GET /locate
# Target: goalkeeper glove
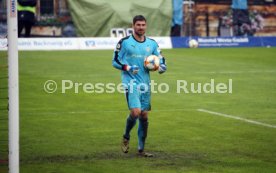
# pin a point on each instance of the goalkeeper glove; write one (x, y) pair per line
(162, 68)
(133, 69)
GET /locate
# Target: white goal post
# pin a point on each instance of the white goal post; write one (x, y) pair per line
(13, 87)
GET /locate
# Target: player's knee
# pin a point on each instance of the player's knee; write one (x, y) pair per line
(136, 112)
(144, 115)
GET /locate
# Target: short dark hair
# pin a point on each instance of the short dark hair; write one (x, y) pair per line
(138, 18)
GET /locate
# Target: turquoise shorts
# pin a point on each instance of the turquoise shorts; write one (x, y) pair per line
(138, 98)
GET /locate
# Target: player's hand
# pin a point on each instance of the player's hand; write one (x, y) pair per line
(162, 68)
(133, 69)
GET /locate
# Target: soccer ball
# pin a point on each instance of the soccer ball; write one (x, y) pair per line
(193, 43)
(152, 62)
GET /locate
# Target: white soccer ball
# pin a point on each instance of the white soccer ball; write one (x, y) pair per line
(193, 43)
(152, 62)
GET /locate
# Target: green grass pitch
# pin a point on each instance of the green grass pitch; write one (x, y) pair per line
(76, 133)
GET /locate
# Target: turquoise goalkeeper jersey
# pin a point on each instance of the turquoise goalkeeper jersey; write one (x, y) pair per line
(131, 52)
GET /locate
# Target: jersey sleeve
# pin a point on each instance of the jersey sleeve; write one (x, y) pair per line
(157, 51)
(118, 56)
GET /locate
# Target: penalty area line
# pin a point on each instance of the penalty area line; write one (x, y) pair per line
(237, 118)
(53, 112)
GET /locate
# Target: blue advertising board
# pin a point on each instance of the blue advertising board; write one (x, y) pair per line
(182, 42)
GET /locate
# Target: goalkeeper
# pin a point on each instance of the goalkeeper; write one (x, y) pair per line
(128, 57)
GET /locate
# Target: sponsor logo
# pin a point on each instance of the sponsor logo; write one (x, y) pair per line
(148, 49)
(90, 43)
(13, 8)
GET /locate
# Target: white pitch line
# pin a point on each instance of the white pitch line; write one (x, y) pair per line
(40, 112)
(116, 74)
(237, 118)
(238, 72)
(230, 72)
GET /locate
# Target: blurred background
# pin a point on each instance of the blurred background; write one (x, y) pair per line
(93, 18)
